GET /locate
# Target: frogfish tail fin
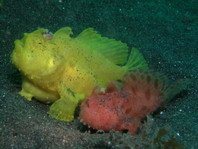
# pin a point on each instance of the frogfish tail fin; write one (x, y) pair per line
(146, 81)
(172, 90)
(136, 61)
(153, 83)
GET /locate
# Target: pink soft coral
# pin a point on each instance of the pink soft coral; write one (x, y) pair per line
(123, 109)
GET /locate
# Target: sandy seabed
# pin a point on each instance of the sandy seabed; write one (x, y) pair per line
(164, 31)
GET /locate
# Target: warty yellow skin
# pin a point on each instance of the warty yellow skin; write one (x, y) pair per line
(62, 70)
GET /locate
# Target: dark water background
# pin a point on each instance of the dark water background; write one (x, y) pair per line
(166, 32)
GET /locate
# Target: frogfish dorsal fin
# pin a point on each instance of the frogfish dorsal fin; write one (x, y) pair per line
(114, 50)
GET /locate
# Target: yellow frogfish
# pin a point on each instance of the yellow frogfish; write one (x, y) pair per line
(63, 70)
